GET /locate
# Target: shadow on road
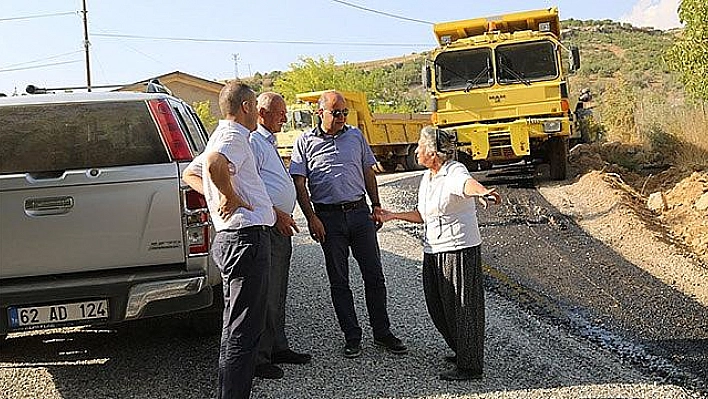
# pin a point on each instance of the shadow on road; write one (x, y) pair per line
(560, 274)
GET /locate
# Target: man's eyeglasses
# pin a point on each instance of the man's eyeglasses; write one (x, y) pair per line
(339, 112)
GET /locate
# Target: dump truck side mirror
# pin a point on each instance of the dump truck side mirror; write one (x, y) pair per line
(574, 58)
(426, 75)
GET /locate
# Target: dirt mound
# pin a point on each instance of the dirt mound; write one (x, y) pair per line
(626, 175)
(685, 214)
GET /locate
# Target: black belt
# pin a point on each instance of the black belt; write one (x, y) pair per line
(248, 229)
(343, 207)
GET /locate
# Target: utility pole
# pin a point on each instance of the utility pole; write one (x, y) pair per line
(235, 65)
(86, 48)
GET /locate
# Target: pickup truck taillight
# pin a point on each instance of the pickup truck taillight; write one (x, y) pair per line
(170, 131)
(196, 222)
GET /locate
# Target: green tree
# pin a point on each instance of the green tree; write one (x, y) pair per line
(310, 74)
(689, 56)
(203, 110)
(387, 88)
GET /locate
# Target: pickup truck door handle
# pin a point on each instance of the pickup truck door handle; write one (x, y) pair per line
(48, 206)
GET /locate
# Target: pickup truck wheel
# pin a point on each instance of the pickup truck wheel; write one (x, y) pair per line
(207, 322)
(558, 157)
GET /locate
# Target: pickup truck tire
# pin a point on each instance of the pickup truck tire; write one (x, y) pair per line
(207, 322)
(558, 157)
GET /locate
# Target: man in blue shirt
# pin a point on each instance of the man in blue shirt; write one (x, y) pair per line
(273, 347)
(334, 162)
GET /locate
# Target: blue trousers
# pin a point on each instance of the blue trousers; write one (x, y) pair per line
(243, 257)
(354, 229)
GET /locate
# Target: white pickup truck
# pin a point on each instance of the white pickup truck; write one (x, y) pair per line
(96, 226)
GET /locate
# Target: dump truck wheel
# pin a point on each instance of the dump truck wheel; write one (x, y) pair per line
(558, 157)
(411, 161)
(467, 160)
(385, 166)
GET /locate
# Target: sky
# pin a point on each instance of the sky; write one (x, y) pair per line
(42, 42)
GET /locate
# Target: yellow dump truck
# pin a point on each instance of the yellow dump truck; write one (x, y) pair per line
(501, 85)
(393, 137)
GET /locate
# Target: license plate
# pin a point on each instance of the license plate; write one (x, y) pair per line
(36, 316)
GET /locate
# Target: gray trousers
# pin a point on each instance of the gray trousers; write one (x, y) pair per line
(273, 338)
(453, 283)
(243, 257)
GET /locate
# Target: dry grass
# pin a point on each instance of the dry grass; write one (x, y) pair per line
(679, 132)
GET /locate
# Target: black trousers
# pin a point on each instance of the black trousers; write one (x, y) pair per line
(243, 257)
(274, 338)
(354, 229)
(453, 283)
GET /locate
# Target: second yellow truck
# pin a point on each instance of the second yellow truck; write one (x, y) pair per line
(393, 137)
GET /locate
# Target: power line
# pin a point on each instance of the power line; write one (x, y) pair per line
(37, 16)
(303, 42)
(382, 13)
(38, 66)
(42, 59)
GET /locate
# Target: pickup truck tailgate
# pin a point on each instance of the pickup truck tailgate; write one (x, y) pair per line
(88, 220)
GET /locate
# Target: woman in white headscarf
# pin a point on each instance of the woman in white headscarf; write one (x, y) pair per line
(452, 266)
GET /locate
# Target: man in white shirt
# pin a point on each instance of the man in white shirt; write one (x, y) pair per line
(242, 213)
(274, 347)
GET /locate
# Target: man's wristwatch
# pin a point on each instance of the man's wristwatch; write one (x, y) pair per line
(375, 204)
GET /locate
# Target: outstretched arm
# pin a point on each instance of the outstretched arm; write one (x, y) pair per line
(410, 216)
(475, 188)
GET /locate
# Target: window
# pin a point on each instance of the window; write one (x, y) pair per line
(526, 62)
(58, 137)
(192, 128)
(463, 70)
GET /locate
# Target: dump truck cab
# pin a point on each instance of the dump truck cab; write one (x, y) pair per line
(500, 84)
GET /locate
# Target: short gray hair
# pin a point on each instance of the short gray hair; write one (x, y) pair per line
(266, 99)
(440, 141)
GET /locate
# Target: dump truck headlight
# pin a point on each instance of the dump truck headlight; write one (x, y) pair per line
(552, 126)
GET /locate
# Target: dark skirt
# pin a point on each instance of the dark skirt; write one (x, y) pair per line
(454, 293)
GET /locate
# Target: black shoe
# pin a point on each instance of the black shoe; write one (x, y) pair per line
(269, 371)
(290, 356)
(352, 349)
(392, 344)
(458, 374)
(451, 359)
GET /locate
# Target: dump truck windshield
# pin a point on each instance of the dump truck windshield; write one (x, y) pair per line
(463, 70)
(298, 120)
(526, 62)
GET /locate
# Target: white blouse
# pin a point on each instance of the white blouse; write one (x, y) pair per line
(449, 218)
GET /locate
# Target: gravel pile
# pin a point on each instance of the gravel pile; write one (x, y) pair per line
(525, 357)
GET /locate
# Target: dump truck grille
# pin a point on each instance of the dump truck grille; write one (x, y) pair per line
(500, 145)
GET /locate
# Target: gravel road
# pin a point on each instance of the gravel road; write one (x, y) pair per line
(527, 355)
